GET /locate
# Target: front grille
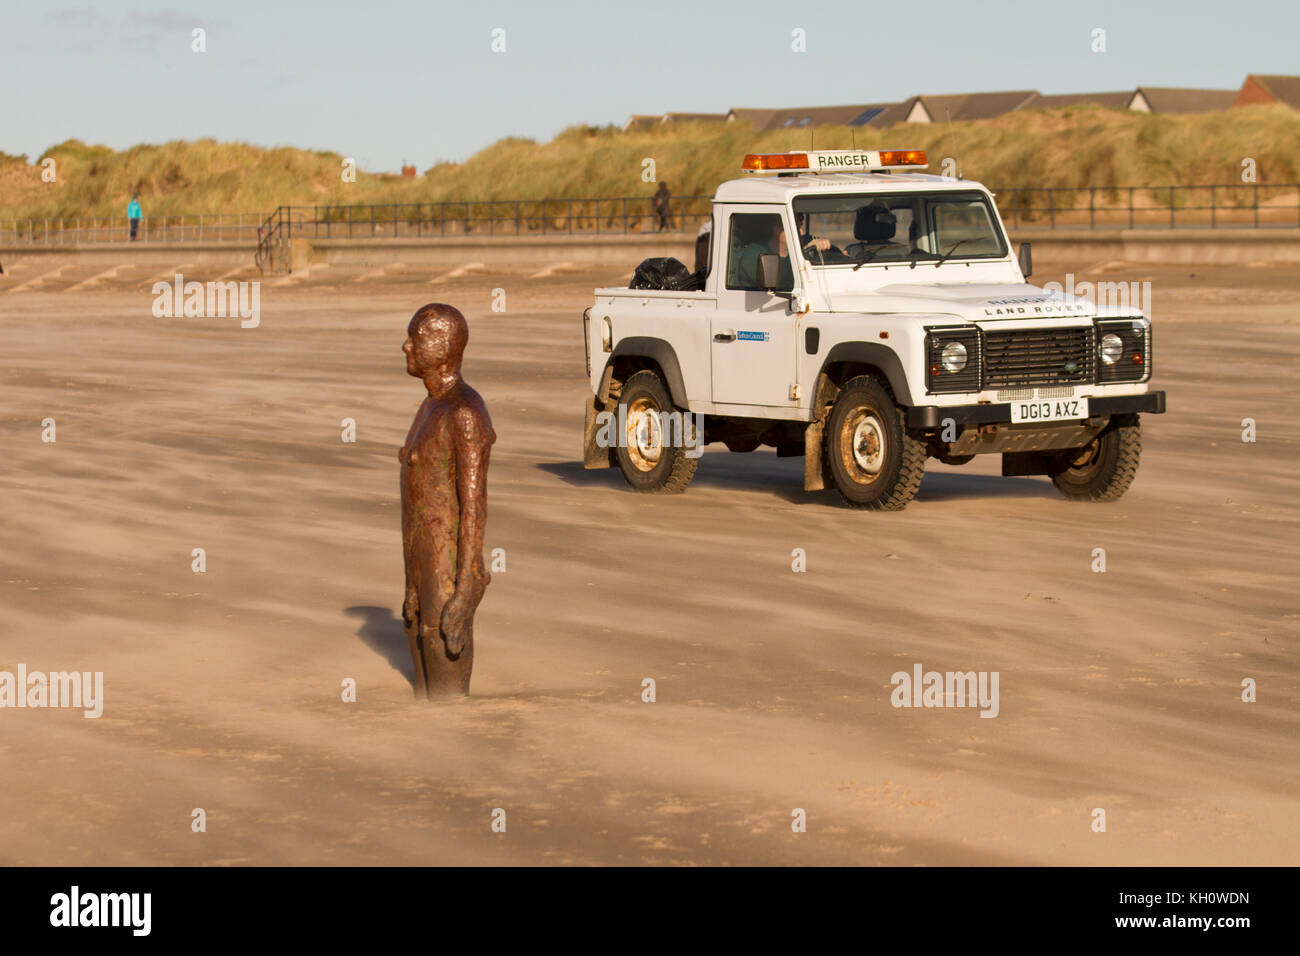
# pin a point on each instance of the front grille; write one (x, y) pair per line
(1025, 357)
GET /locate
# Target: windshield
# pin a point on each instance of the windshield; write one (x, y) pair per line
(856, 230)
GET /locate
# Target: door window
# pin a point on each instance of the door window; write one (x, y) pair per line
(754, 235)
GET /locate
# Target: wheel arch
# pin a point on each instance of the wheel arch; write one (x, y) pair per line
(638, 352)
(850, 359)
(845, 361)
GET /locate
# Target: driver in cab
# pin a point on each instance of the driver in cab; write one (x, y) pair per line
(775, 242)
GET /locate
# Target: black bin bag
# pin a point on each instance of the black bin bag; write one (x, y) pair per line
(665, 273)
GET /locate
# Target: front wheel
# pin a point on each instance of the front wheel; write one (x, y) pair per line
(653, 445)
(872, 459)
(1103, 469)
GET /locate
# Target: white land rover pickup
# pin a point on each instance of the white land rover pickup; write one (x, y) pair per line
(867, 320)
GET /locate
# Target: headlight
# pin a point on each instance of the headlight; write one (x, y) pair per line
(953, 356)
(1112, 347)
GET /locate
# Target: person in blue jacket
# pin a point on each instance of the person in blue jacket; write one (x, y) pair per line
(133, 213)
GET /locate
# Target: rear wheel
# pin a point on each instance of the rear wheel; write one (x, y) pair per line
(652, 448)
(1103, 469)
(869, 454)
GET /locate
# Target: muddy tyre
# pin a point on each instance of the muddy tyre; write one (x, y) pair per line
(652, 452)
(869, 454)
(1103, 469)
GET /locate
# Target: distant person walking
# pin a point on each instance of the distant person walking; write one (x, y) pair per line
(663, 207)
(133, 213)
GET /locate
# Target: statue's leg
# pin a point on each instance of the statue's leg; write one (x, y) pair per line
(417, 657)
(447, 676)
(444, 675)
(465, 661)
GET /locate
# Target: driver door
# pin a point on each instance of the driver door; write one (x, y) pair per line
(754, 332)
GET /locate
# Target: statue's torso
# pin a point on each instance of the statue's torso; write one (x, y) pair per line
(430, 503)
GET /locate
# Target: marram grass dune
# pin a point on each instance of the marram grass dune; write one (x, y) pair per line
(1075, 146)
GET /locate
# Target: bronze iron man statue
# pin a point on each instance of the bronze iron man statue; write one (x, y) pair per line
(444, 505)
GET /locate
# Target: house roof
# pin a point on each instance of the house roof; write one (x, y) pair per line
(1052, 101)
(758, 118)
(694, 117)
(960, 106)
(894, 113)
(861, 114)
(642, 121)
(1164, 99)
(974, 106)
(1283, 88)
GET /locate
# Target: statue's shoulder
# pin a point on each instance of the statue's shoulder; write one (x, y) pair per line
(471, 416)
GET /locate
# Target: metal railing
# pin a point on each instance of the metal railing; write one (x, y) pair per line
(1253, 205)
(622, 215)
(1214, 207)
(1088, 207)
(203, 227)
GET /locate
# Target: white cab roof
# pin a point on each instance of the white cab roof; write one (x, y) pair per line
(779, 189)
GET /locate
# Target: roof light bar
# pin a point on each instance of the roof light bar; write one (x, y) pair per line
(774, 162)
(836, 161)
(903, 157)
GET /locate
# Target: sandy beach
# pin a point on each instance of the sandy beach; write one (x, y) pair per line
(223, 690)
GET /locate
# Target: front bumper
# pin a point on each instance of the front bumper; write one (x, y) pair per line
(933, 416)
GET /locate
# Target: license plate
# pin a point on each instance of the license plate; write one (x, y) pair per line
(1049, 410)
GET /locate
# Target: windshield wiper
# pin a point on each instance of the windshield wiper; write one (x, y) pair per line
(953, 248)
(913, 254)
(864, 258)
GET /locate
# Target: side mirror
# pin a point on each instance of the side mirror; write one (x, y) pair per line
(769, 271)
(1026, 257)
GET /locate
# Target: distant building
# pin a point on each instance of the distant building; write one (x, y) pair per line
(862, 114)
(759, 119)
(1269, 89)
(958, 107)
(1145, 99)
(917, 109)
(966, 106)
(896, 113)
(694, 118)
(1056, 101)
(1163, 99)
(642, 121)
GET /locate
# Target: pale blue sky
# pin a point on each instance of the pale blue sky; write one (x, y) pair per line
(383, 80)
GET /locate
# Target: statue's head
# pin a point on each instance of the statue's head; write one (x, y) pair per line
(435, 342)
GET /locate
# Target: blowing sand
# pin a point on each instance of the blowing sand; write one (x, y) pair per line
(222, 691)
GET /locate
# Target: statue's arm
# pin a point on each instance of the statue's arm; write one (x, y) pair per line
(472, 437)
(411, 601)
